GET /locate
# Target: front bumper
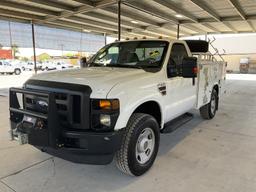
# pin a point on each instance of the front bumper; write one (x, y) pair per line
(91, 148)
(45, 132)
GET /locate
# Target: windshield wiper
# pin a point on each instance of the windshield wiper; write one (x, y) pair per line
(124, 66)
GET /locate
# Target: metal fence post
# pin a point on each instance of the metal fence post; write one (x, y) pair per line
(34, 46)
(119, 20)
(178, 31)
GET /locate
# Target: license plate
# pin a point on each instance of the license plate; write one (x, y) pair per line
(29, 119)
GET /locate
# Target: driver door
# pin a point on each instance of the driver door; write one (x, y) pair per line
(181, 92)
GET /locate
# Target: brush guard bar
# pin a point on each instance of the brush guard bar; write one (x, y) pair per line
(33, 127)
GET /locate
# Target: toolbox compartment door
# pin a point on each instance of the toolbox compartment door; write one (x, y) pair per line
(210, 73)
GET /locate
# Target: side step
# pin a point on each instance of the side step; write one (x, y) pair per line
(176, 123)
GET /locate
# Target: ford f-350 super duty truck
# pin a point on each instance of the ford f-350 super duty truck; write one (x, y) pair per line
(117, 107)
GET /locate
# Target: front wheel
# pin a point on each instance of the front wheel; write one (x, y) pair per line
(208, 111)
(139, 146)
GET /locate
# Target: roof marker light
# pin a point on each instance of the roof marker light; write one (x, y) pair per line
(179, 15)
(135, 22)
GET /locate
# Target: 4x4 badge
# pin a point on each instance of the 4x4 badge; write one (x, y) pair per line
(162, 88)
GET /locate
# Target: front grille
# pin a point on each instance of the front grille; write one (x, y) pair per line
(63, 108)
(32, 103)
(72, 102)
(68, 107)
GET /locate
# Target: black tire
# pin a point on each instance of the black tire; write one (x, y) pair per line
(207, 111)
(17, 71)
(126, 159)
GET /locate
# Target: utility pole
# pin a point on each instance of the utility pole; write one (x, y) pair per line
(62, 49)
(81, 41)
(10, 34)
(105, 38)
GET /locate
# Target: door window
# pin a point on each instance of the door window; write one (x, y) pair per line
(178, 53)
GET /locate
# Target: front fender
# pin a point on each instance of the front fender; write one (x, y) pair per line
(130, 101)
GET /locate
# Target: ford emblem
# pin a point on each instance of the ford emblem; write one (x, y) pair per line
(42, 103)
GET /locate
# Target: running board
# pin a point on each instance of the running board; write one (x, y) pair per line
(176, 123)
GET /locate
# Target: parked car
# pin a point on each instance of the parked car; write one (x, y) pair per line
(130, 92)
(48, 66)
(30, 66)
(63, 65)
(7, 67)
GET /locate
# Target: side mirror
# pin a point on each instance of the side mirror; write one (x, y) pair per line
(189, 67)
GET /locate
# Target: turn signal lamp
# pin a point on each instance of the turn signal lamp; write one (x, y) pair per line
(109, 104)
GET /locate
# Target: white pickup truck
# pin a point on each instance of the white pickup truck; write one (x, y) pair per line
(130, 92)
(9, 68)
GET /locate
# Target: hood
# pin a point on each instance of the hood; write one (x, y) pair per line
(100, 79)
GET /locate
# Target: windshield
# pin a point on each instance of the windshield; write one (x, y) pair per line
(132, 54)
(7, 63)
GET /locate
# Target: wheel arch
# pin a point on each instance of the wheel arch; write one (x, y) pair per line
(152, 108)
(216, 87)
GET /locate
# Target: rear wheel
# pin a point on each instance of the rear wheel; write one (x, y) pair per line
(17, 71)
(139, 146)
(208, 111)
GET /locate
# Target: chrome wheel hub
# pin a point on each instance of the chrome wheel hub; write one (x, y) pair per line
(145, 145)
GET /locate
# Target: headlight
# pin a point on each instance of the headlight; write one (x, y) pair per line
(104, 114)
(105, 120)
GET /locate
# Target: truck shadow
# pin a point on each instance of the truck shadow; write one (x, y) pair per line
(112, 179)
(169, 140)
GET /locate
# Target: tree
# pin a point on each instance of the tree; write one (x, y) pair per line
(43, 57)
(25, 59)
(1, 46)
(15, 50)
